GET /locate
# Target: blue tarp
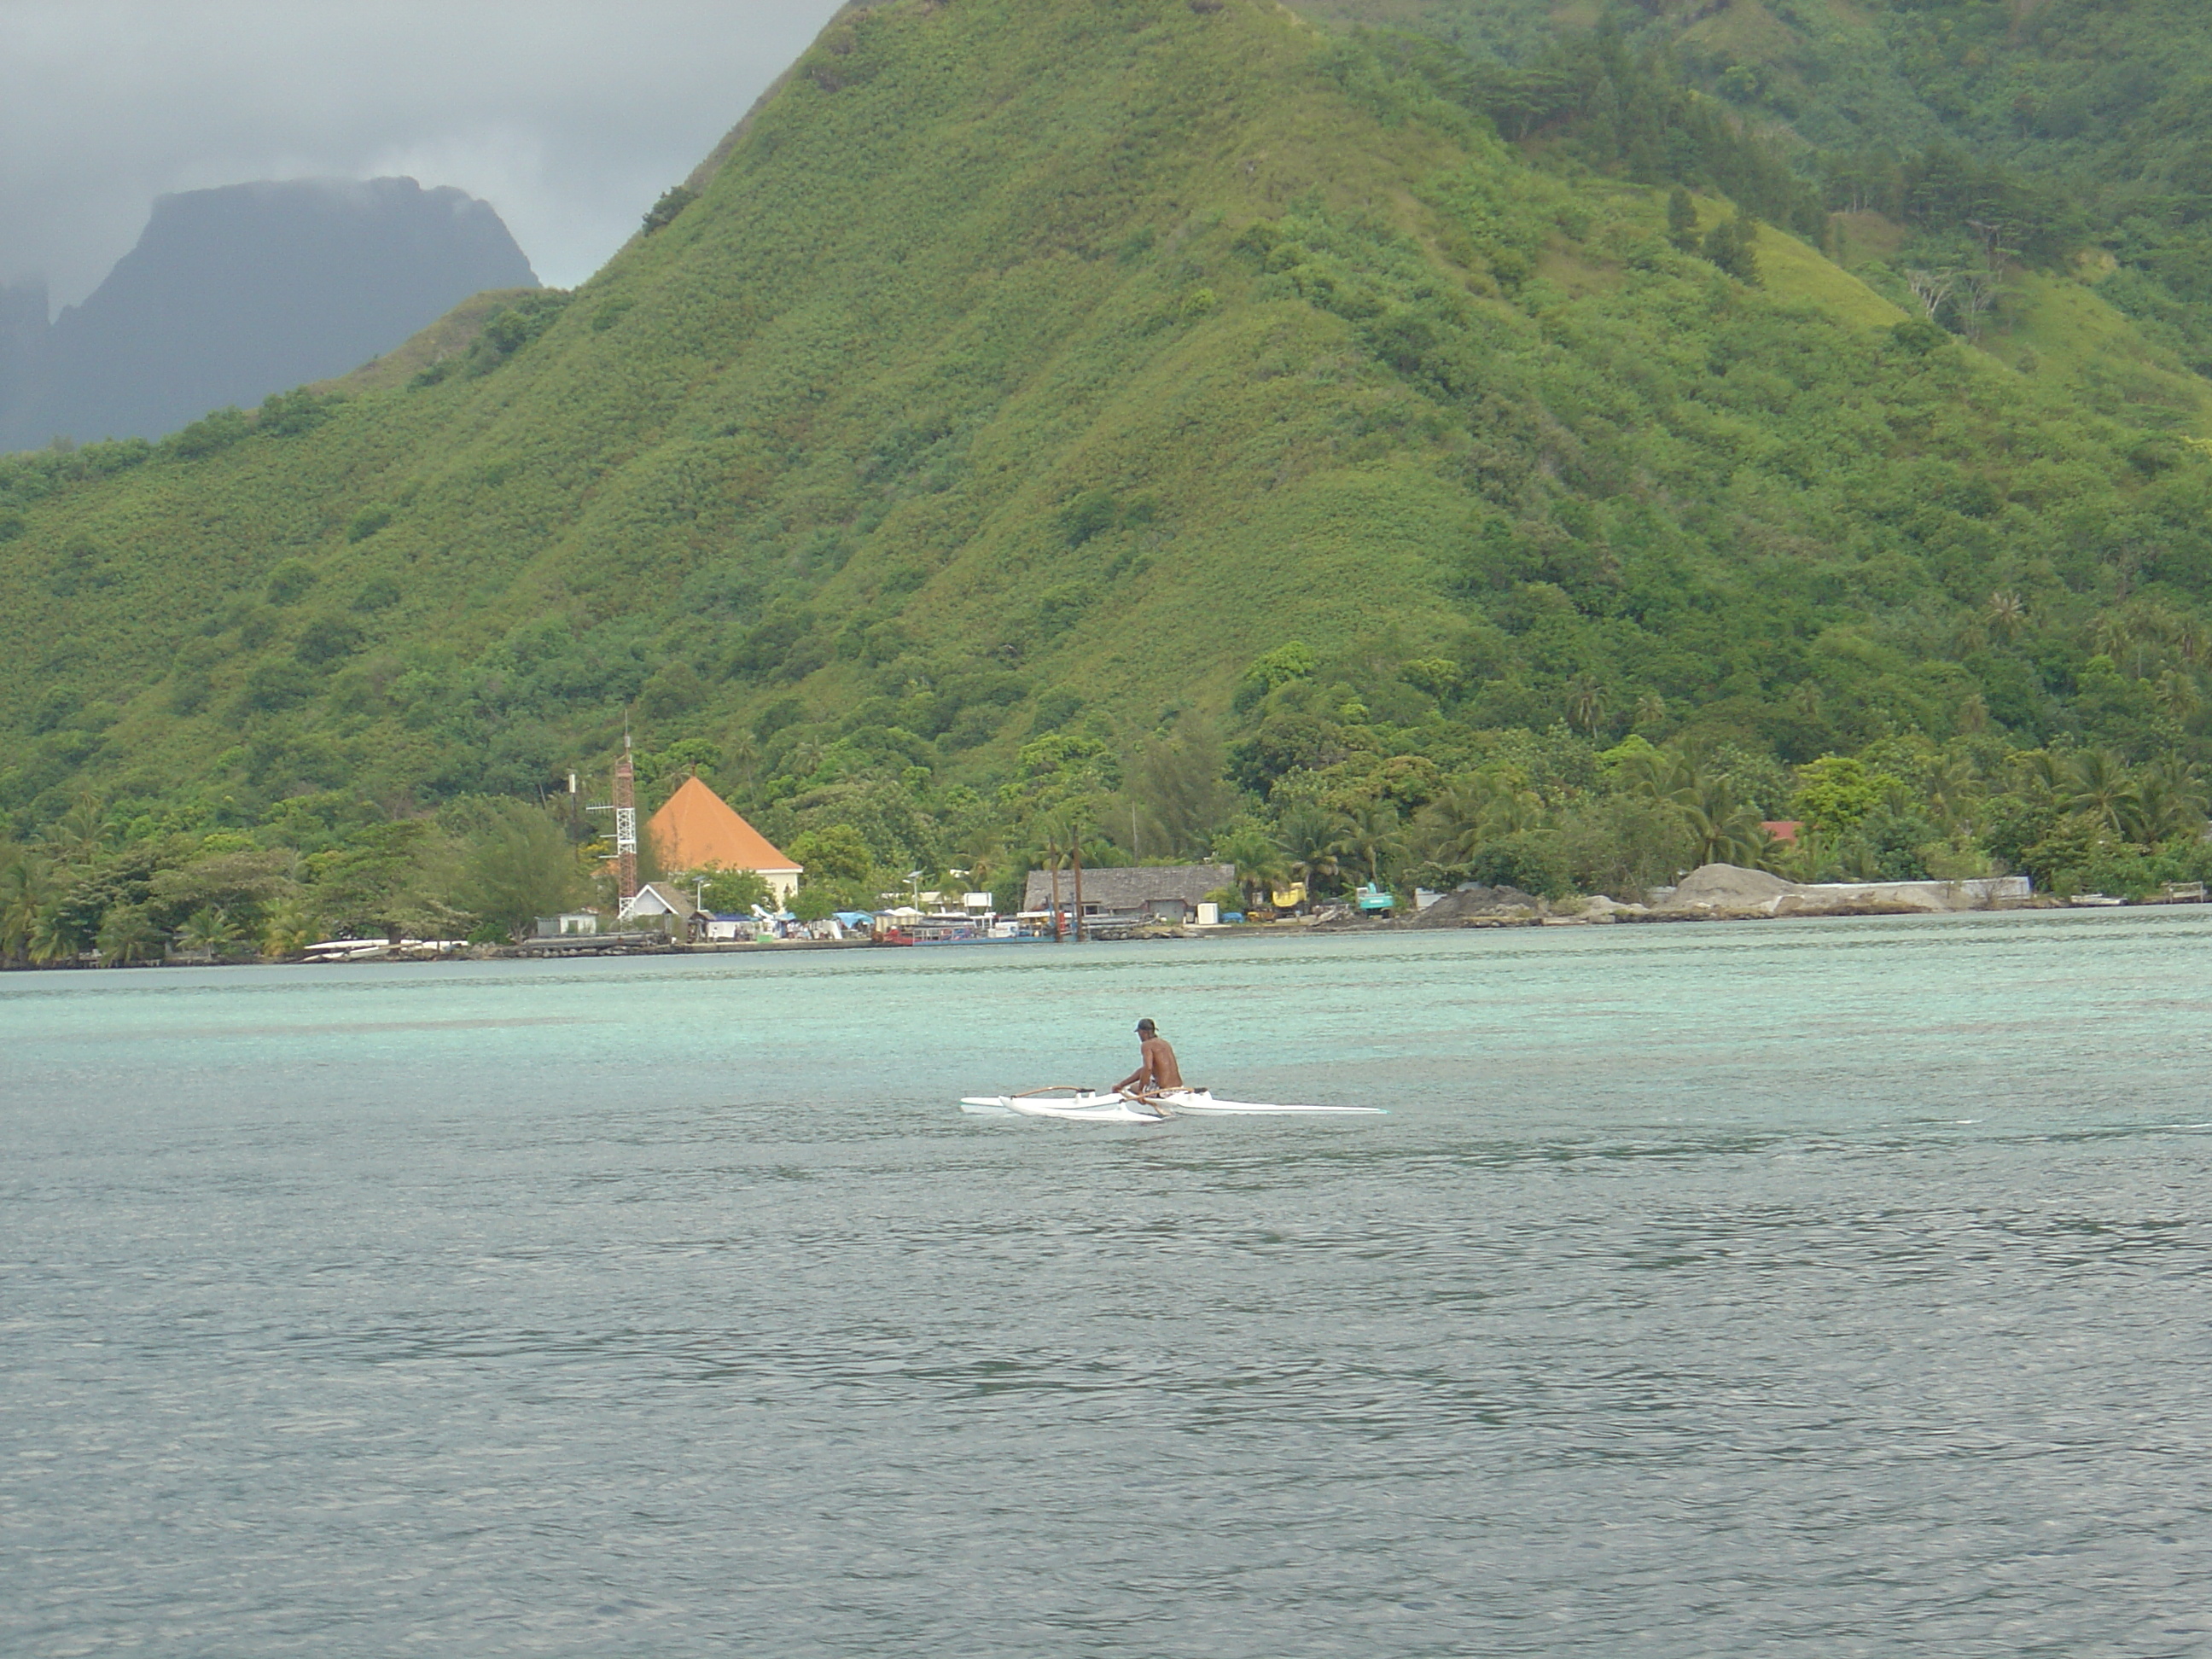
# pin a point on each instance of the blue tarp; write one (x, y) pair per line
(855, 917)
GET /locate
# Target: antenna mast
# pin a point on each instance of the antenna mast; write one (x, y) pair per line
(626, 826)
(625, 811)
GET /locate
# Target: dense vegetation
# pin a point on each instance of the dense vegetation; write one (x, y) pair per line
(1156, 426)
(1987, 131)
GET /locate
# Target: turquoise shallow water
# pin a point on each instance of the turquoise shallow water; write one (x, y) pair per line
(1817, 1289)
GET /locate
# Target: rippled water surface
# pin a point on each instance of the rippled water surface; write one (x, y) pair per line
(1817, 1289)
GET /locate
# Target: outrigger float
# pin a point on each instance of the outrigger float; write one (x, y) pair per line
(1081, 1105)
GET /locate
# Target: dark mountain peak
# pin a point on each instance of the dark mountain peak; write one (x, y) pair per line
(236, 292)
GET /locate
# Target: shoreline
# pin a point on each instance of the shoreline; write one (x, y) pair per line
(1346, 927)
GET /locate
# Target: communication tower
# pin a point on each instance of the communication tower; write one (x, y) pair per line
(625, 811)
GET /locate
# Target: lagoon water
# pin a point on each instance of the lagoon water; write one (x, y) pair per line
(1819, 1289)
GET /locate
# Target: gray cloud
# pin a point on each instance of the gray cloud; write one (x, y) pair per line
(569, 116)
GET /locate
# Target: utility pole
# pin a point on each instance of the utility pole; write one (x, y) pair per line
(1075, 854)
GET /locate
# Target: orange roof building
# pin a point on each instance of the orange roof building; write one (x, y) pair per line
(700, 830)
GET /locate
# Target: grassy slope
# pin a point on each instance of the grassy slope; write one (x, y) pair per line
(816, 445)
(449, 336)
(1841, 77)
(932, 246)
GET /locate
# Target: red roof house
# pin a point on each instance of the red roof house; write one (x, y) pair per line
(697, 829)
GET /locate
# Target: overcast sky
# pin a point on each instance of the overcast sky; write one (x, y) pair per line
(569, 116)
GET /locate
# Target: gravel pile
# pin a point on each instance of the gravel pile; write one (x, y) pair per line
(1475, 903)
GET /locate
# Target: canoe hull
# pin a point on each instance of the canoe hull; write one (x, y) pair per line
(1119, 1108)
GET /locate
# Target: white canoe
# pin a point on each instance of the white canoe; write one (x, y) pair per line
(1201, 1103)
(1082, 1109)
(1086, 1107)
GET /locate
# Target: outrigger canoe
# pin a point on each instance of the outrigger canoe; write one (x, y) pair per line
(1088, 1106)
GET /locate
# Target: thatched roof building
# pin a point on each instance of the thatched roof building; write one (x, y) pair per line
(1174, 890)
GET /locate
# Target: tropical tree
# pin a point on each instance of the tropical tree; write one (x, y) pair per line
(291, 926)
(804, 760)
(1659, 775)
(241, 884)
(725, 892)
(1456, 822)
(1306, 834)
(520, 865)
(127, 935)
(80, 835)
(387, 877)
(1586, 704)
(1368, 836)
(1722, 829)
(745, 760)
(1953, 794)
(2168, 804)
(1178, 784)
(209, 931)
(1513, 811)
(2096, 783)
(1259, 861)
(1835, 792)
(986, 860)
(26, 889)
(2177, 697)
(1059, 846)
(834, 852)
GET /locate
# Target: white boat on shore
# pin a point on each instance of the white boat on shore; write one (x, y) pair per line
(1089, 1106)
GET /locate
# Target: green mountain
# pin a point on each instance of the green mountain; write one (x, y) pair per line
(1030, 399)
(1945, 129)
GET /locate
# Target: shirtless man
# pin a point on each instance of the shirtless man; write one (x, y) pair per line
(1156, 1070)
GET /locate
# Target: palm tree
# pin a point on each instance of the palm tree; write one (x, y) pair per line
(1512, 810)
(987, 857)
(2041, 768)
(1650, 709)
(1257, 858)
(1060, 844)
(1307, 835)
(1586, 702)
(1722, 829)
(2168, 804)
(290, 927)
(209, 931)
(1456, 822)
(127, 935)
(2111, 634)
(745, 760)
(26, 889)
(1660, 776)
(2005, 616)
(2096, 784)
(1953, 790)
(79, 834)
(1368, 835)
(2176, 696)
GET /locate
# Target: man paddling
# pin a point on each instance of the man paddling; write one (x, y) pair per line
(1156, 1072)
